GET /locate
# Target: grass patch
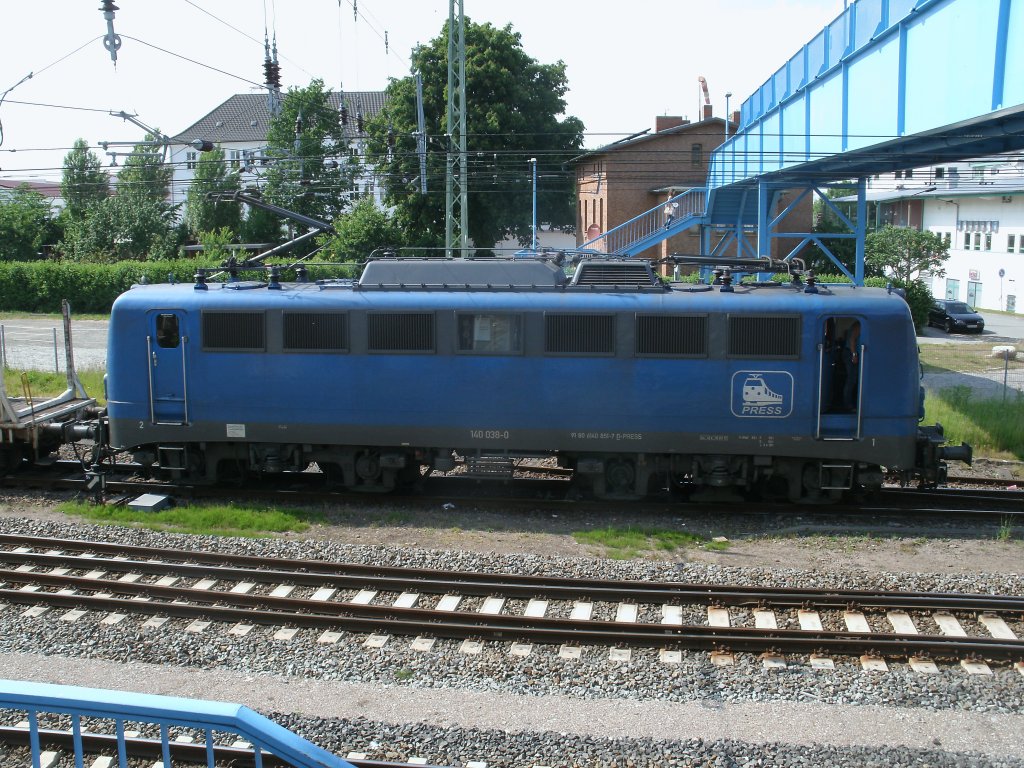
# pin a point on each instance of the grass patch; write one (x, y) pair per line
(627, 543)
(993, 427)
(45, 384)
(212, 520)
(1005, 529)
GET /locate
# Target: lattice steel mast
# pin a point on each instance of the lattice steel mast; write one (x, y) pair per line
(456, 229)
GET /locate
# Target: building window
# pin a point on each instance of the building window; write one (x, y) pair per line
(1010, 243)
(947, 238)
(977, 241)
(988, 241)
(697, 154)
(940, 173)
(952, 289)
(909, 173)
(190, 160)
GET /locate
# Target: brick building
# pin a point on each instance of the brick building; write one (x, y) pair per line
(621, 180)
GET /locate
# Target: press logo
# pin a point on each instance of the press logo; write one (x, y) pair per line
(762, 394)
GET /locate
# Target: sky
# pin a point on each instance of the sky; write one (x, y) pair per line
(626, 63)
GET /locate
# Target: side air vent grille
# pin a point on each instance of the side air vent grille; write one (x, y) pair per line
(579, 334)
(615, 273)
(764, 336)
(672, 335)
(315, 331)
(400, 332)
(234, 331)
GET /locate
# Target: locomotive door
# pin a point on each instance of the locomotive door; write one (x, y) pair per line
(840, 379)
(166, 359)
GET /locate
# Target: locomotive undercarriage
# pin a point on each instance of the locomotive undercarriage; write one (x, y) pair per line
(722, 477)
(614, 476)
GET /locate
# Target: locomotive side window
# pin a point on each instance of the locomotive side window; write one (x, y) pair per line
(672, 335)
(490, 334)
(315, 331)
(579, 334)
(167, 335)
(400, 332)
(235, 331)
(764, 336)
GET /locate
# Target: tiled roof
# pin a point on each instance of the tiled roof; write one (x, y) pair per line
(244, 117)
(45, 188)
(700, 126)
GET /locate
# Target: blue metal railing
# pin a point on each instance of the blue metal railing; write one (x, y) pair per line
(122, 707)
(653, 226)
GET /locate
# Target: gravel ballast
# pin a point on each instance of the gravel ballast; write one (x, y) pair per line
(541, 709)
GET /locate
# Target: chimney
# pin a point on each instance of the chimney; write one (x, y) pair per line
(664, 122)
(707, 112)
(735, 117)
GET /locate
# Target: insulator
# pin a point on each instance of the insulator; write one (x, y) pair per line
(344, 113)
(298, 124)
(391, 136)
(359, 121)
(355, 10)
(386, 45)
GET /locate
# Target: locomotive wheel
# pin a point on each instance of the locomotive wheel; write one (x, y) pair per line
(368, 467)
(620, 477)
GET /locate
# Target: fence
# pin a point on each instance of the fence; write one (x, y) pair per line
(986, 371)
(33, 345)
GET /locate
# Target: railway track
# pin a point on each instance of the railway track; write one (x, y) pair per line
(180, 750)
(384, 602)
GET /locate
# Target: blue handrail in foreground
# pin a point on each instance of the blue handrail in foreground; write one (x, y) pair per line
(164, 711)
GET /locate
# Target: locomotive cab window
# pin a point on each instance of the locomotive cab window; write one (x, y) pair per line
(490, 334)
(167, 334)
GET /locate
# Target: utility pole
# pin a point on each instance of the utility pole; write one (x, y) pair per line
(456, 228)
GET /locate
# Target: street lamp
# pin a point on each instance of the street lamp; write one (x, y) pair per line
(533, 162)
(728, 96)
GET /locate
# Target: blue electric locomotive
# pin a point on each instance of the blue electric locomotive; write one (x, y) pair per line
(634, 384)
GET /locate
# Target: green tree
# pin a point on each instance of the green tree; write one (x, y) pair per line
(25, 224)
(212, 176)
(903, 253)
(261, 226)
(122, 227)
(83, 182)
(311, 171)
(362, 231)
(137, 222)
(512, 108)
(145, 175)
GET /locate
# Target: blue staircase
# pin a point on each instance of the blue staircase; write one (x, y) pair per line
(653, 226)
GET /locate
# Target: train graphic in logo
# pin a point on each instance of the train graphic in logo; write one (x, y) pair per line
(762, 394)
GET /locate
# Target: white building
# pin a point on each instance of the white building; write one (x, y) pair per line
(239, 127)
(978, 207)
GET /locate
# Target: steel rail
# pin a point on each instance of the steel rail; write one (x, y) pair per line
(464, 625)
(185, 752)
(395, 579)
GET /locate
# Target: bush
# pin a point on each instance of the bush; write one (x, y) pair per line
(40, 286)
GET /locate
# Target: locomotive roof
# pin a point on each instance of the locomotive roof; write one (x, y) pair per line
(403, 284)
